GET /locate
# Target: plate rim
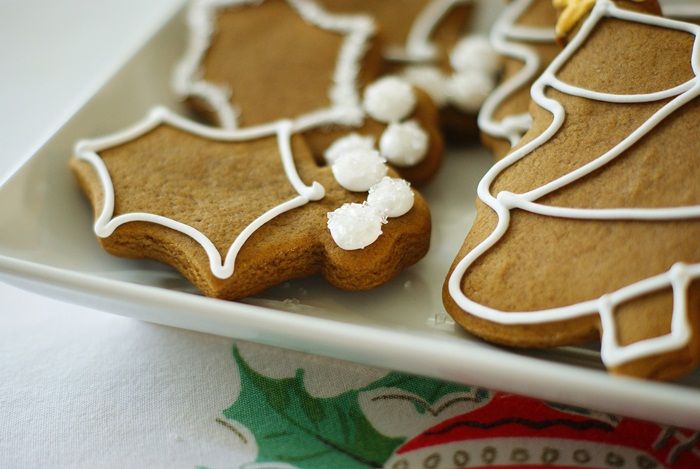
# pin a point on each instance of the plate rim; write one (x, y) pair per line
(442, 358)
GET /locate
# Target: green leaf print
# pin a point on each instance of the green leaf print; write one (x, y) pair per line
(431, 390)
(294, 427)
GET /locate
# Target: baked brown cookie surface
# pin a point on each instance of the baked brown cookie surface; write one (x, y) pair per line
(238, 211)
(250, 63)
(589, 226)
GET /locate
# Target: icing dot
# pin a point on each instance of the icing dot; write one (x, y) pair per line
(355, 226)
(468, 90)
(475, 53)
(392, 197)
(358, 170)
(404, 144)
(349, 143)
(389, 99)
(430, 79)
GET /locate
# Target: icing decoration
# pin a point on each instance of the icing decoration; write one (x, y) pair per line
(468, 90)
(572, 12)
(392, 197)
(404, 144)
(475, 53)
(422, 56)
(503, 33)
(430, 79)
(348, 143)
(389, 99)
(418, 47)
(345, 108)
(358, 170)
(355, 226)
(678, 277)
(475, 64)
(106, 223)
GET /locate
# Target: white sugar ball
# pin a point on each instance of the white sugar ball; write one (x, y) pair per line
(358, 170)
(404, 144)
(430, 79)
(389, 99)
(355, 226)
(468, 90)
(475, 53)
(392, 197)
(349, 143)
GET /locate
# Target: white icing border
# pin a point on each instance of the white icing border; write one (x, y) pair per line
(106, 223)
(418, 46)
(678, 277)
(345, 108)
(505, 30)
(503, 33)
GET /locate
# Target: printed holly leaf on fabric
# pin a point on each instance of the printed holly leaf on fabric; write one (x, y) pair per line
(405, 405)
(431, 390)
(291, 426)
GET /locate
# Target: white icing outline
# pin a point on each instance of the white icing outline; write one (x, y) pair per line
(678, 277)
(345, 108)
(106, 223)
(504, 32)
(418, 46)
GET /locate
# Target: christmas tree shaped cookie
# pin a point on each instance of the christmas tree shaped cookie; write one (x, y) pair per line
(428, 42)
(250, 63)
(236, 211)
(590, 226)
(525, 36)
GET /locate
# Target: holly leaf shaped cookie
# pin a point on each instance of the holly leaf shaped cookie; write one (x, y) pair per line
(590, 226)
(250, 63)
(238, 211)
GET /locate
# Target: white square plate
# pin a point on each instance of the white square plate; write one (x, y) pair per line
(47, 246)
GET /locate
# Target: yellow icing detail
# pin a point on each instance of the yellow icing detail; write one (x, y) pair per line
(573, 11)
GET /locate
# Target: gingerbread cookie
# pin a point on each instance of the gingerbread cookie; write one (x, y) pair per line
(318, 69)
(524, 36)
(427, 42)
(589, 227)
(236, 211)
